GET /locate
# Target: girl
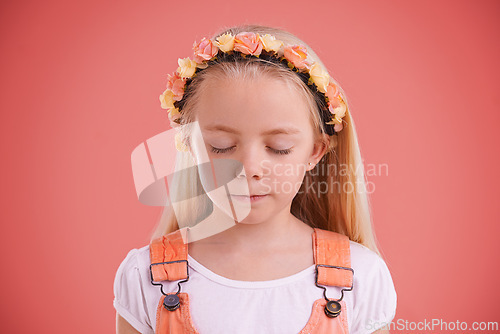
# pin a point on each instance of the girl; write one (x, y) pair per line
(280, 238)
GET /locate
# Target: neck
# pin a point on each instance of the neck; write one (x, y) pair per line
(275, 233)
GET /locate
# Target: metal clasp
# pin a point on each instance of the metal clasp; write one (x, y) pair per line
(171, 301)
(333, 308)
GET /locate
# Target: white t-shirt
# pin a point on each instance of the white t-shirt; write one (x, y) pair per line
(222, 305)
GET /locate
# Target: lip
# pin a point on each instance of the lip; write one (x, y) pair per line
(252, 198)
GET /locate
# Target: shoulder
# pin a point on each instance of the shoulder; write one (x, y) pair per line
(130, 287)
(133, 271)
(375, 297)
(364, 259)
(134, 260)
(368, 266)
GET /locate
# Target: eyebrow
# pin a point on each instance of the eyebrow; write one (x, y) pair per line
(277, 131)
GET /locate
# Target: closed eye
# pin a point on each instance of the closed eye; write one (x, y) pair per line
(286, 151)
(227, 149)
(221, 150)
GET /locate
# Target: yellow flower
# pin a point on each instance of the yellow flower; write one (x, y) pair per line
(202, 65)
(225, 42)
(186, 68)
(174, 113)
(320, 77)
(167, 99)
(270, 43)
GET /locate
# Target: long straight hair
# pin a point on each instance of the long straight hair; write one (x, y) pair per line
(344, 208)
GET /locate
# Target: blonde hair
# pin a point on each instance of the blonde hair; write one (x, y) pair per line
(345, 212)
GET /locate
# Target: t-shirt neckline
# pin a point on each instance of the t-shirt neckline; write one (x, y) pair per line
(248, 284)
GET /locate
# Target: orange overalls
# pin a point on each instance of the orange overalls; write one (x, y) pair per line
(331, 257)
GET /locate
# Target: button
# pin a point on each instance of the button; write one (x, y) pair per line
(171, 302)
(332, 308)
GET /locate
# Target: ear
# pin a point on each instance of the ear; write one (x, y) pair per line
(319, 149)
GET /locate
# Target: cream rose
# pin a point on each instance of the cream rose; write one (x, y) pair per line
(320, 77)
(167, 99)
(270, 43)
(225, 42)
(186, 68)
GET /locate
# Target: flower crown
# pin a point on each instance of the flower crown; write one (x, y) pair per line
(249, 44)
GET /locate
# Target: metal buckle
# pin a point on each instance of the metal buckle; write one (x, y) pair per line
(333, 307)
(341, 290)
(161, 285)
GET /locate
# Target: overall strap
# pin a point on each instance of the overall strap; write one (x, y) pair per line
(169, 257)
(332, 258)
(169, 263)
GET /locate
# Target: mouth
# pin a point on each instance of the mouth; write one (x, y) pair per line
(251, 198)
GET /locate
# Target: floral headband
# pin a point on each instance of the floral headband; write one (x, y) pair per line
(249, 44)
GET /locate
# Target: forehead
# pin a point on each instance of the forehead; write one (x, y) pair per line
(256, 104)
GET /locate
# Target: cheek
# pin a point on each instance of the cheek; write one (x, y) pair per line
(291, 166)
(285, 179)
(288, 171)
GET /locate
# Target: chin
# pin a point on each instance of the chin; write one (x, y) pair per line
(253, 219)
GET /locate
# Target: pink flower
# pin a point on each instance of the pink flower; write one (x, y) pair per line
(248, 43)
(337, 108)
(204, 50)
(297, 55)
(332, 91)
(176, 84)
(338, 127)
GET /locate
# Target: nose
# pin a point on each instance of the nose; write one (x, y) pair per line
(252, 162)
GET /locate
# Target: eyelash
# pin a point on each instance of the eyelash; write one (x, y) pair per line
(224, 150)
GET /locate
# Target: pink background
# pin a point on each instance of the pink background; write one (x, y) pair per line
(79, 91)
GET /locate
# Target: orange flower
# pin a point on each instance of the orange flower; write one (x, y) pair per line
(204, 50)
(332, 91)
(297, 55)
(248, 43)
(176, 84)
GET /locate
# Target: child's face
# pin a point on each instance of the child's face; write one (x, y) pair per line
(266, 126)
